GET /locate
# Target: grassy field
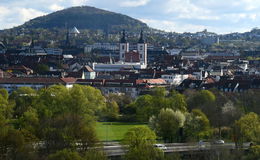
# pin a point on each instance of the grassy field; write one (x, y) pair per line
(113, 131)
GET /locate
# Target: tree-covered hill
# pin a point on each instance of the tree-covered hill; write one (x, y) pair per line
(85, 17)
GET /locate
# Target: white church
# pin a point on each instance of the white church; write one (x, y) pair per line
(136, 59)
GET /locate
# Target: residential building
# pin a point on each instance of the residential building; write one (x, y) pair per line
(13, 83)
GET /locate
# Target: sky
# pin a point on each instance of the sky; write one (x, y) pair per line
(220, 16)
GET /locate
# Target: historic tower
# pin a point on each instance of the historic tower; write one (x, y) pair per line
(142, 49)
(124, 47)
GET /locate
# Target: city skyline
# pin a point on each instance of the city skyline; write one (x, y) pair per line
(170, 15)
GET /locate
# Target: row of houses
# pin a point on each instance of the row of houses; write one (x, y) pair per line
(131, 88)
(224, 85)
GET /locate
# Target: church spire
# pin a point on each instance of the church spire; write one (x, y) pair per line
(141, 39)
(123, 39)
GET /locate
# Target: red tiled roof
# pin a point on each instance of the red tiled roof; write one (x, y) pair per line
(210, 80)
(32, 80)
(151, 81)
(22, 67)
(69, 80)
(132, 57)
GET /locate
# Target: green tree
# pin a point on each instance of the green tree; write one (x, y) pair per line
(196, 126)
(177, 102)
(254, 153)
(4, 93)
(201, 98)
(24, 98)
(140, 142)
(65, 155)
(11, 140)
(111, 112)
(121, 100)
(249, 127)
(41, 68)
(6, 108)
(167, 124)
(67, 116)
(159, 92)
(144, 107)
(93, 154)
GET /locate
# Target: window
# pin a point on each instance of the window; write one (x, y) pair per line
(123, 55)
(141, 56)
(141, 48)
(123, 47)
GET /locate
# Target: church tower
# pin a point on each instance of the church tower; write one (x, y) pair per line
(142, 49)
(123, 48)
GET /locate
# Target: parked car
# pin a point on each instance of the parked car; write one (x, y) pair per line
(202, 144)
(220, 141)
(160, 146)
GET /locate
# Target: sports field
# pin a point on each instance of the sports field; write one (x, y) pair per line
(113, 131)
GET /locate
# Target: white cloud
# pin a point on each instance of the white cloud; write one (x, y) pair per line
(177, 15)
(173, 26)
(55, 7)
(10, 17)
(26, 14)
(78, 2)
(182, 27)
(187, 10)
(134, 3)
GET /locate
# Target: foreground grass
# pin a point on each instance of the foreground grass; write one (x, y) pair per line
(113, 131)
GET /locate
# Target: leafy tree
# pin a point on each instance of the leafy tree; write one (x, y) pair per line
(4, 93)
(140, 142)
(250, 101)
(41, 68)
(158, 92)
(249, 127)
(167, 124)
(177, 102)
(28, 124)
(196, 126)
(144, 107)
(93, 154)
(24, 98)
(230, 113)
(159, 100)
(11, 140)
(254, 153)
(121, 100)
(6, 108)
(67, 116)
(201, 98)
(65, 155)
(96, 101)
(111, 112)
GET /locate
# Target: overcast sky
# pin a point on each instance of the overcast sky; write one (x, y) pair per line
(221, 16)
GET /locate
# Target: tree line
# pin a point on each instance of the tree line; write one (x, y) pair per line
(59, 123)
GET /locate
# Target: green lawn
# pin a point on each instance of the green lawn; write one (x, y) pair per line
(113, 131)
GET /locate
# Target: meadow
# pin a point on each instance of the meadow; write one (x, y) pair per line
(113, 131)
